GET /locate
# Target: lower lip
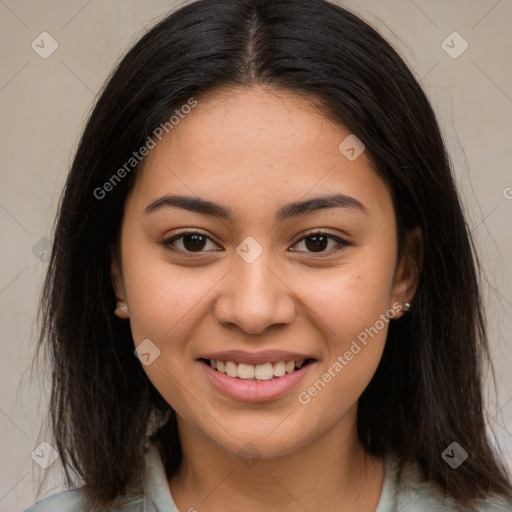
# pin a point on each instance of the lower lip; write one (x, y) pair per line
(255, 391)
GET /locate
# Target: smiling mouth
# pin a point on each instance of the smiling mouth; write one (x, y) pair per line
(259, 372)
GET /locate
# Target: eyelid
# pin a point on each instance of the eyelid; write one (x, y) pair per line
(320, 231)
(189, 231)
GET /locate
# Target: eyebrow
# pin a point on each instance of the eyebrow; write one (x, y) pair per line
(294, 209)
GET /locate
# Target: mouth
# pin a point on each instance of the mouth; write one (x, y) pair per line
(267, 371)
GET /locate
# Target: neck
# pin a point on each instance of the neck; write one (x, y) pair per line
(331, 473)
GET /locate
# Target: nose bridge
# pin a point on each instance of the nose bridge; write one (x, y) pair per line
(254, 297)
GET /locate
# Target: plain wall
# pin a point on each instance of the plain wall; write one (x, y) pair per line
(45, 102)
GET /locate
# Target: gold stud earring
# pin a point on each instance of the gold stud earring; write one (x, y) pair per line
(121, 310)
(406, 306)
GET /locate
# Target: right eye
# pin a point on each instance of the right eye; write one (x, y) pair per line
(187, 242)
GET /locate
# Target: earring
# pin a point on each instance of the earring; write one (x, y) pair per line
(121, 310)
(406, 306)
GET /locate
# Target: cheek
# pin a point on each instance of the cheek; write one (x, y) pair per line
(163, 298)
(350, 309)
(348, 312)
(165, 303)
(352, 298)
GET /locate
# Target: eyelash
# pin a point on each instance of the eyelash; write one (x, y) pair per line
(167, 243)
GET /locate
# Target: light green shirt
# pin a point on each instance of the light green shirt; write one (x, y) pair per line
(411, 495)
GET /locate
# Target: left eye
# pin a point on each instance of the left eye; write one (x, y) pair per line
(318, 242)
(192, 241)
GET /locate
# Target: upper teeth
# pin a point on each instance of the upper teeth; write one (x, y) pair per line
(264, 371)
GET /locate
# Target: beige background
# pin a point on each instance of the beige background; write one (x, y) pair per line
(44, 103)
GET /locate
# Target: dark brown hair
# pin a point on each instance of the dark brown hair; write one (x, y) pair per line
(427, 390)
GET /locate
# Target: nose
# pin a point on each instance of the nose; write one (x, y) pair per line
(254, 297)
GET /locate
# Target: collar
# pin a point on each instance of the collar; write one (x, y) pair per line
(157, 495)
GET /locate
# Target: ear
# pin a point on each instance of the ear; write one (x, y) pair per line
(408, 272)
(116, 275)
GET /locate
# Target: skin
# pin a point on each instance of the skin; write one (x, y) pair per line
(254, 150)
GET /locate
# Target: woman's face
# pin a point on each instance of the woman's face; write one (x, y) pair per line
(291, 257)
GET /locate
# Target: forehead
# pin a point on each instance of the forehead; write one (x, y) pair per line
(257, 146)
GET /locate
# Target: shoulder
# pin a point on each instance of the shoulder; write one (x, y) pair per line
(414, 494)
(149, 493)
(74, 501)
(426, 497)
(66, 501)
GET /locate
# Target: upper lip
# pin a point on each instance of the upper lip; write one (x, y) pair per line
(255, 358)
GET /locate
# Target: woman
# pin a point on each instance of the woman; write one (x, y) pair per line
(262, 207)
